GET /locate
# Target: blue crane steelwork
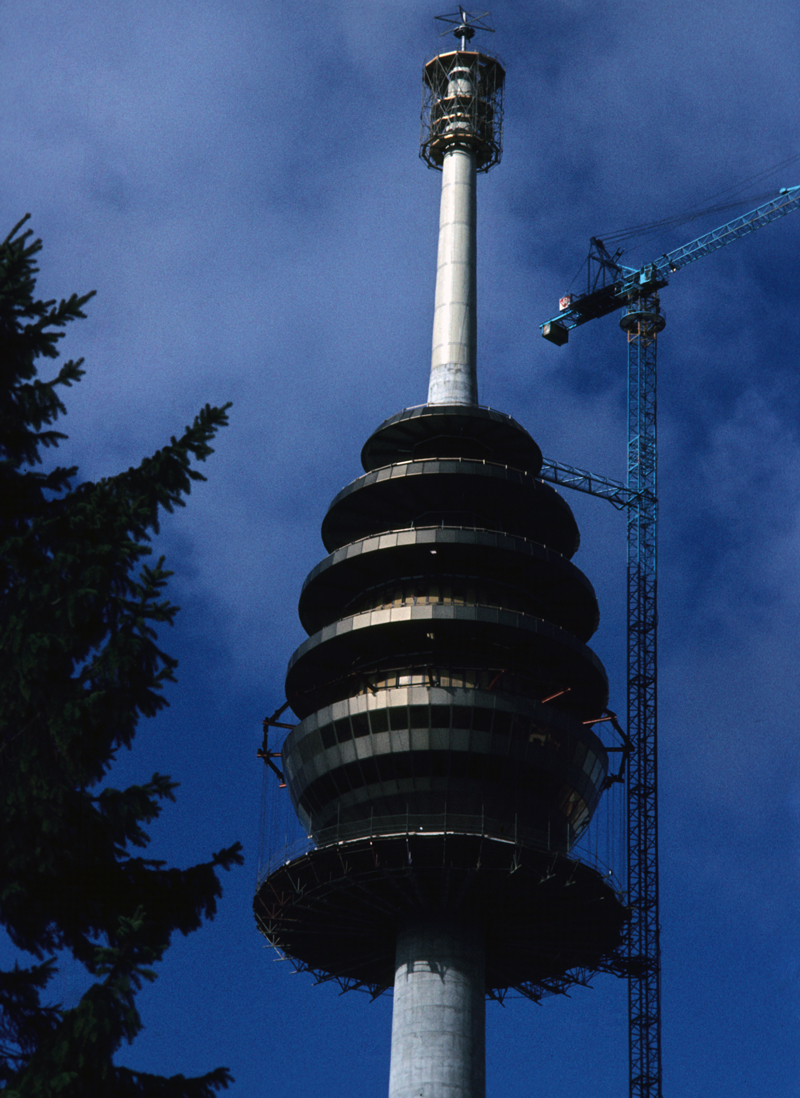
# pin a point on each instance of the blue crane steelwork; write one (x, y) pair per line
(612, 286)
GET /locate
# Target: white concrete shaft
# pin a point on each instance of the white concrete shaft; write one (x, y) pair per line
(454, 378)
(439, 1014)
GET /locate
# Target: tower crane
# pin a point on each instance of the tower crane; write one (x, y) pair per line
(612, 286)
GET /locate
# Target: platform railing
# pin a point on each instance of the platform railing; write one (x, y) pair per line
(410, 824)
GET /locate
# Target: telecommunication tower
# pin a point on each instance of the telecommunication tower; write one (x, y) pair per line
(446, 762)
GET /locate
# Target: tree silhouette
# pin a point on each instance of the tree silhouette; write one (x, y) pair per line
(80, 663)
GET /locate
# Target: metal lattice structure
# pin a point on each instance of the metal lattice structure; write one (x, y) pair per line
(462, 107)
(613, 287)
(615, 284)
(642, 322)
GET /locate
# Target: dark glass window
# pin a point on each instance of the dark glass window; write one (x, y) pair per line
(378, 721)
(475, 767)
(492, 768)
(462, 716)
(482, 720)
(343, 731)
(386, 767)
(398, 718)
(440, 716)
(306, 747)
(325, 788)
(502, 722)
(420, 716)
(438, 763)
(360, 724)
(352, 775)
(369, 769)
(460, 763)
(402, 767)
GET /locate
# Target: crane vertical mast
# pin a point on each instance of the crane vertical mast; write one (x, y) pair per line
(615, 286)
(642, 322)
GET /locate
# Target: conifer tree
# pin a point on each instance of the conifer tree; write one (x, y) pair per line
(80, 664)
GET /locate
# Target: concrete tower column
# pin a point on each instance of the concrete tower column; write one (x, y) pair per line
(454, 378)
(438, 1019)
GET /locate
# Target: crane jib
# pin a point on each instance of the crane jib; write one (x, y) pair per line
(576, 310)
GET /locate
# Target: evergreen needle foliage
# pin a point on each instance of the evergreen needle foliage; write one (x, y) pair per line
(79, 665)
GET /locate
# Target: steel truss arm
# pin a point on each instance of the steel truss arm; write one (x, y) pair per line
(784, 202)
(566, 476)
(654, 276)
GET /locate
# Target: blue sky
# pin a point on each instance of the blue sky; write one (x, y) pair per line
(240, 183)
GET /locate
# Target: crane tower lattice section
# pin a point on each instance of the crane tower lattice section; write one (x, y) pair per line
(642, 322)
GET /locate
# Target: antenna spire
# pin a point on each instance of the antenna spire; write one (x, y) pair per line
(462, 116)
(464, 24)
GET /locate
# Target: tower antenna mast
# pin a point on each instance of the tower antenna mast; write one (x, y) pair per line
(462, 120)
(464, 24)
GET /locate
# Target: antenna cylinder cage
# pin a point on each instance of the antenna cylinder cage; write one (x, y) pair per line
(462, 107)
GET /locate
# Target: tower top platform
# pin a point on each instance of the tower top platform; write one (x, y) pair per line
(462, 107)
